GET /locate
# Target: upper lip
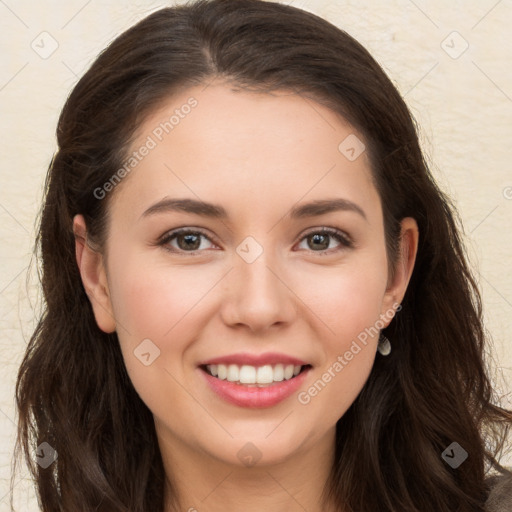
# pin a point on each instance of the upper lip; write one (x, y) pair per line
(271, 358)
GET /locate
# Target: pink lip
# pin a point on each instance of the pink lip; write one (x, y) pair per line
(255, 359)
(252, 396)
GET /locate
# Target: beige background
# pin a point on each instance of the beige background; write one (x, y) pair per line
(461, 98)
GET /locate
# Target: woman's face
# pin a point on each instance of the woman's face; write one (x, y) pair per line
(279, 267)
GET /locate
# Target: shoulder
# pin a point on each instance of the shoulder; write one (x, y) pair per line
(500, 492)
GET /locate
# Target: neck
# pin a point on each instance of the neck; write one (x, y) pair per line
(201, 483)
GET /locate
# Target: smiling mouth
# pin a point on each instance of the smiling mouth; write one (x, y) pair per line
(254, 376)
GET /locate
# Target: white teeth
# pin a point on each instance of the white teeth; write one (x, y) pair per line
(247, 374)
(278, 372)
(265, 375)
(233, 373)
(222, 370)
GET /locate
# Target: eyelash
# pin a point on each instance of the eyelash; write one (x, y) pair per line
(342, 238)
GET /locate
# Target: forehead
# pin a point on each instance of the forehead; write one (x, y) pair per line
(237, 146)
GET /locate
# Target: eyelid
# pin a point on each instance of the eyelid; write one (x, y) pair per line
(185, 229)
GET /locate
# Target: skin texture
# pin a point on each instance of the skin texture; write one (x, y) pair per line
(257, 155)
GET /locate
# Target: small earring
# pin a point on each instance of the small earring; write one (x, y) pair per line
(384, 345)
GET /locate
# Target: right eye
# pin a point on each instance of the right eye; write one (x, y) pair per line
(184, 240)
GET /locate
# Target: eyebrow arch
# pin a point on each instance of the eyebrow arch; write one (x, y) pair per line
(188, 206)
(312, 209)
(323, 206)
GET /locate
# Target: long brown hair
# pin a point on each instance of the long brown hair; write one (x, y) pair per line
(73, 391)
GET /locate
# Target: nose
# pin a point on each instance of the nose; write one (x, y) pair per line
(256, 295)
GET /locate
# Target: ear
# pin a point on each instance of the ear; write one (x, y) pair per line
(94, 278)
(396, 289)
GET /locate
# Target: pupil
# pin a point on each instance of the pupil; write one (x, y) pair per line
(317, 238)
(189, 242)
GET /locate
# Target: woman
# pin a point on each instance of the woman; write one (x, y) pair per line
(198, 351)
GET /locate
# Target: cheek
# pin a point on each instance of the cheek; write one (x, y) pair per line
(349, 306)
(348, 302)
(152, 300)
(164, 305)
(347, 299)
(154, 308)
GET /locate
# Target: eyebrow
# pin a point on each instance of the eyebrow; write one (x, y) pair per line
(194, 206)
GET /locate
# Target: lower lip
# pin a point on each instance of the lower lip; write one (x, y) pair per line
(254, 397)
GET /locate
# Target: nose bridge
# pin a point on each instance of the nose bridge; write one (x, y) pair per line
(256, 293)
(256, 281)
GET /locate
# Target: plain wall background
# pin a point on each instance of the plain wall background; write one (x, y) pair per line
(461, 98)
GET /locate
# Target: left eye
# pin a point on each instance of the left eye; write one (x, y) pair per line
(321, 240)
